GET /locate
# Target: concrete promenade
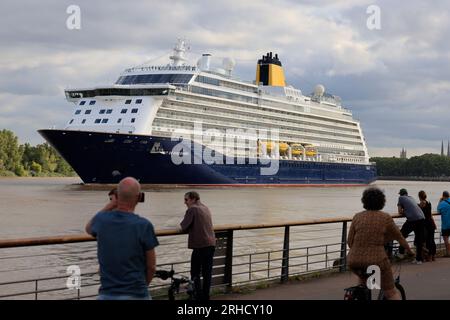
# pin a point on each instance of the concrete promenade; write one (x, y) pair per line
(428, 281)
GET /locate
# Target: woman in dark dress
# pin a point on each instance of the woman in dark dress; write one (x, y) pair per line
(430, 225)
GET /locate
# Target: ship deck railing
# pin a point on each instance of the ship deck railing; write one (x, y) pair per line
(233, 107)
(283, 100)
(247, 254)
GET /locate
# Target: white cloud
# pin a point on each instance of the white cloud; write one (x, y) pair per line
(396, 79)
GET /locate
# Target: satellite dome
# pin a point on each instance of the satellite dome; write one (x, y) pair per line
(228, 64)
(319, 90)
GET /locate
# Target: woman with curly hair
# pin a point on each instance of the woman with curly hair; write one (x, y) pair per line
(369, 232)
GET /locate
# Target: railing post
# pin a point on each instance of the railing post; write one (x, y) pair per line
(285, 261)
(343, 258)
(229, 261)
(307, 259)
(223, 260)
(250, 268)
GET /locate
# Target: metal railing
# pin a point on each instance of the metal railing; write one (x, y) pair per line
(235, 262)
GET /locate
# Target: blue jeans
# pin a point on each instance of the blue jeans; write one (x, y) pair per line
(121, 297)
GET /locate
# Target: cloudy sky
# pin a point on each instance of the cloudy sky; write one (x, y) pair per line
(395, 79)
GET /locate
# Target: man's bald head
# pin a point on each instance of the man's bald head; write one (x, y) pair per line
(128, 191)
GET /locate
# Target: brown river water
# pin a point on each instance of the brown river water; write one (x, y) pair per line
(38, 207)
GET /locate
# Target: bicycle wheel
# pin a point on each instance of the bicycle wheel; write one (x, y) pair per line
(399, 287)
(361, 293)
(402, 290)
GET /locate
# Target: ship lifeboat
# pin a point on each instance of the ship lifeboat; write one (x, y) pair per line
(271, 145)
(267, 145)
(296, 149)
(283, 147)
(310, 151)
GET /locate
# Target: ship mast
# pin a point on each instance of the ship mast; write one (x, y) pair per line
(177, 57)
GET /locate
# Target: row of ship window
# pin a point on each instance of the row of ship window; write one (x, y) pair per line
(240, 119)
(217, 82)
(92, 102)
(231, 96)
(132, 120)
(154, 78)
(222, 94)
(287, 113)
(107, 111)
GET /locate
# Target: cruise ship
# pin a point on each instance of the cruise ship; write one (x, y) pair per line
(183, 124)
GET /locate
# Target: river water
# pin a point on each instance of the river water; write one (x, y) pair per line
(37, 207)
(32, 207)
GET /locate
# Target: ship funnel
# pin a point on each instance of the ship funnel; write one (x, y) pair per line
(204, 62)
(269, 71)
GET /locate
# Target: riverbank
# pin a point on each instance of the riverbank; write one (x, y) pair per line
(414, 178)
(10, 174)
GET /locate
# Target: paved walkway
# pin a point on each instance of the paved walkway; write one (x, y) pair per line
(429, 281)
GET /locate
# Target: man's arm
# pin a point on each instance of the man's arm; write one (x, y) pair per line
(401, 210)
(187, 220)
(88, 227)
(111, 205)
(151, 265)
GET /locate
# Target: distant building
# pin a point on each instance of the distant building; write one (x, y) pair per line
(448, 148)
(403, 154)
(442, 148)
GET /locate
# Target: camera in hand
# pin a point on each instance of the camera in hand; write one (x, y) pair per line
(141, 197)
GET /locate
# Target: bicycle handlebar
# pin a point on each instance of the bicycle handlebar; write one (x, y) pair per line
(164, 274)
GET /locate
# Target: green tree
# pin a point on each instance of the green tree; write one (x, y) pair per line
(36, 167)
(20, 171)
(10, 153)
(20, 159)
(426, 165)
(63, 167)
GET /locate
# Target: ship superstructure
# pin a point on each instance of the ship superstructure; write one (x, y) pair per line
(154, 102)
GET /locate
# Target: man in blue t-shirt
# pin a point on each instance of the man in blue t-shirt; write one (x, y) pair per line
(444, 209)
(125, 246)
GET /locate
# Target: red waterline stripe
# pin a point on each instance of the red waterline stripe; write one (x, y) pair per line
(238, 185)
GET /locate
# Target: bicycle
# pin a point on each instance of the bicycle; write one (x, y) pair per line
(177, 282)
(363, 293)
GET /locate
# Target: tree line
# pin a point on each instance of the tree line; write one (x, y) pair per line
(26, 160)
(426, 165)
